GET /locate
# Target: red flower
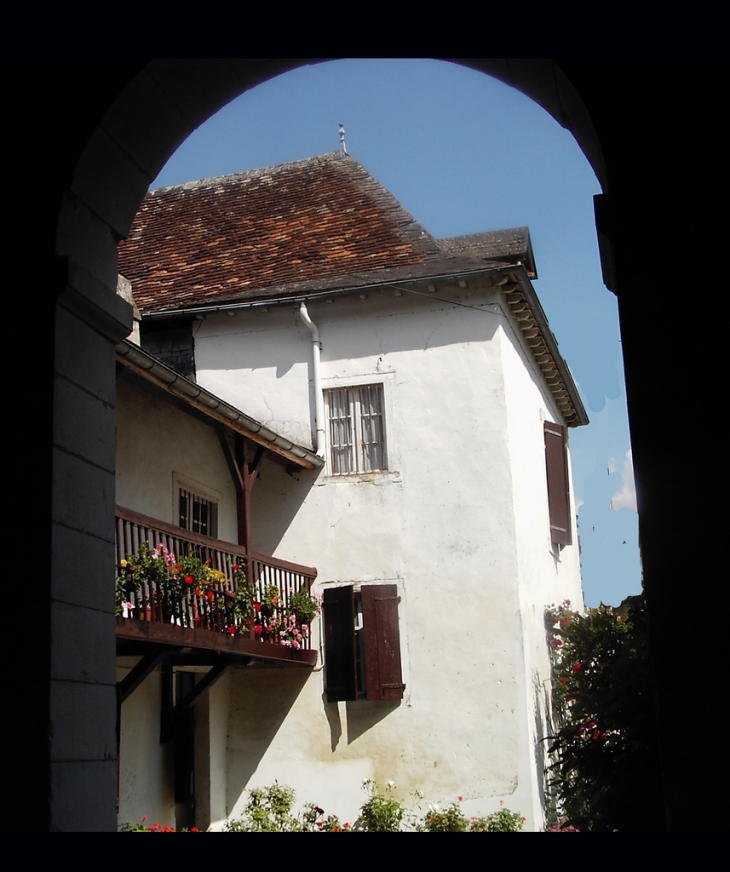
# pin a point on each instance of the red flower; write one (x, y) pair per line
(197, 591)
(257, 607)
(210, 596)
(258, 629)
(189, 579)
(196, 830)
(179, 568)
(236, 568)
(232, 630)
(577, 667)
(461, 799)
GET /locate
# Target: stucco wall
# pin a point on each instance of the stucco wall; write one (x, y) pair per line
(442, 523)
(547, 573)
(157, 445)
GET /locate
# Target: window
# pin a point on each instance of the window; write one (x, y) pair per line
(362, 643)
(556, 462)
(356, 427)
(198, 514)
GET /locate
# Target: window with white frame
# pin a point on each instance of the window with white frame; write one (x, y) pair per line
(356, 429)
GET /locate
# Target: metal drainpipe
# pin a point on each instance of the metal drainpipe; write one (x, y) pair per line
(318, 396)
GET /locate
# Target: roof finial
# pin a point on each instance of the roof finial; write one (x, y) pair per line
(343, 145)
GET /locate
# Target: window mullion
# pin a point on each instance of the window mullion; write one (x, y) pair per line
(357, 429)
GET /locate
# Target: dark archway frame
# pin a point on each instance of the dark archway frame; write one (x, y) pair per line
(90, 137)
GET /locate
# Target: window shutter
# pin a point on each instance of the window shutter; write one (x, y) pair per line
(339, 643)
(556, 461)
(382, 641)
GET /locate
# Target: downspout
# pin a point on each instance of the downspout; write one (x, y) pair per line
(316, 378)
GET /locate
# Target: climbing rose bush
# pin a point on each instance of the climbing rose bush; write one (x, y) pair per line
(605, 775)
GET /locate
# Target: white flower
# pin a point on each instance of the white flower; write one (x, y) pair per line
(435, 807)
(390, 785)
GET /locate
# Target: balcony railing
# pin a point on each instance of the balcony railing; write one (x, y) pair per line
(272, 583)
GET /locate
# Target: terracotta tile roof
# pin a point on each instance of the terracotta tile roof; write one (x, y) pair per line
(502, 246)
(310, 225)
(315, 225)
(237, 236)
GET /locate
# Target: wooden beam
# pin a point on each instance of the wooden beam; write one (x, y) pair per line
(137, 675)
(200, 688)
(225, 436)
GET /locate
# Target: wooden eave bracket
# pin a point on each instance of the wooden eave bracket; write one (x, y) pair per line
(127, 686)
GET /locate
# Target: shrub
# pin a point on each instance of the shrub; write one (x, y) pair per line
(606, 774)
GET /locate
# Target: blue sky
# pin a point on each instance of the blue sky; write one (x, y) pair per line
(465, 153)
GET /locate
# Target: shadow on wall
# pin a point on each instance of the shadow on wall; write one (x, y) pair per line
(276, 498)
(261, 700)
(543, 731)
(360, 717)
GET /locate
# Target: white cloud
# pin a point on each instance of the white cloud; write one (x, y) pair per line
(625, 496)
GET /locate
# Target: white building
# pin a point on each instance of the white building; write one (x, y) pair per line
(442, 521)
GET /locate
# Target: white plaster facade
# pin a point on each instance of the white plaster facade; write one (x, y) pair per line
(459, 522)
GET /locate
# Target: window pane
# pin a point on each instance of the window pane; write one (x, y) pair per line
(356, 429)
(340, 426)
(373, 437)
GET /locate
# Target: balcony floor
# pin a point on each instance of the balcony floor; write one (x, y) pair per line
(140, 637)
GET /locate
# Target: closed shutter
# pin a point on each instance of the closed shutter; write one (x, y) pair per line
(339, 643)
(556, 461)
(382, 641)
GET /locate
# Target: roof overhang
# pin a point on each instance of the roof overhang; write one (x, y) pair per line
(512, 280)
(216, 410)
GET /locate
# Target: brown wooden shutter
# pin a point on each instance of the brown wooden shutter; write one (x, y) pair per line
(382, 641)
(556, 461)
(339, 643)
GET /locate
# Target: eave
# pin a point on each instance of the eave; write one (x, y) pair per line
(162, 376)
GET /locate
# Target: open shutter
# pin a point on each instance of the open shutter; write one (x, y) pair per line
(339, 643)
(556, 461)
(382, 641)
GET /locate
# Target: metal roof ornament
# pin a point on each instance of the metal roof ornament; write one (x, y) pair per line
(343, 145)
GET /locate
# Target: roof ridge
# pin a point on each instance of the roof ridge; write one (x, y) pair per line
(482, 233)
(258, 172)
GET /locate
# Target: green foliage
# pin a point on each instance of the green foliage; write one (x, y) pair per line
(450, 821)
(172, 577)
(606, 772)
(502, 821)
(381, 813)
(304, 606)
(268, 810)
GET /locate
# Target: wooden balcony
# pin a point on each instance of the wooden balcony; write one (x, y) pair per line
(202, 623)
